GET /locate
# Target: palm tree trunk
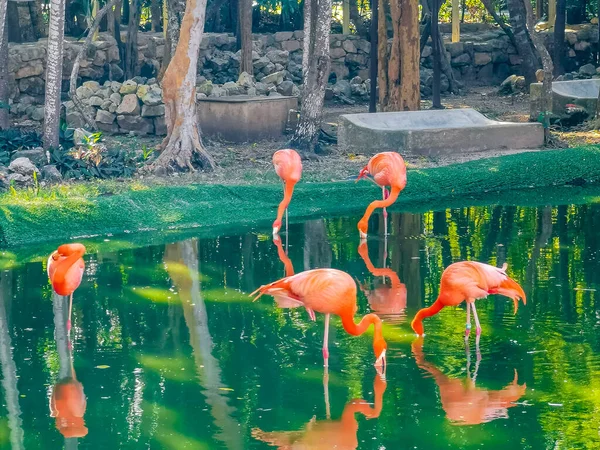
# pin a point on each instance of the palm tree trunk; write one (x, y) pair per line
(56, 32)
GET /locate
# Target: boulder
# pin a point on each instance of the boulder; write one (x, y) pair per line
(275, 78)
(233, 88)
(342, 87)
(286, 88)
(117, 72)
(33, 69)
(337, 53)
(95, 101)
(84, 92)
(481, 59)
(150, 95)
(20, 179)
(349, 46)
(105, 117)
(92, 85)
(455, 48)
(37, 114)
(278, 56)
(205, 88)
(51, 173)
(512, 85)
(74, 119)
(32, 86)
(153, 111)
(261, 63)
(218, 91)
(245, 80)
(129, 105)
(135, 124)
(291, 46)
(23, 166)
(115, 98)
(128, 87)
(36, 155)
(106, 104)
(261, 88)
(461, 60)
(587, 70)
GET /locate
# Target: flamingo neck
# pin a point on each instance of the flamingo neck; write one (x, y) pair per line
(378, 204)
(417, 323)
(356, 329)
(287, 197)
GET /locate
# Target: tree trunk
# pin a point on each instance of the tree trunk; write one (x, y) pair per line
(37, 18)
(399, 83)
(4, 94)
(183, 144)
(489, 6)
(315, 71)
(75, 71)
(175, 12)
(155, 15)
(3, 27)
(359, 24)
(54, 65)
(538, 42)
(524, 44)
(245, 35)
(373, 54)
(437, 55)
(559, 37)
(131, 46)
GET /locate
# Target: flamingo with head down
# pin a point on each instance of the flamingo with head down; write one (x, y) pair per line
(288, 167)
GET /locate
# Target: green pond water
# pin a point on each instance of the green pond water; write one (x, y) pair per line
(172, 354)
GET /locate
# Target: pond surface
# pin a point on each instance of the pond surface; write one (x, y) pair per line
(172, 354)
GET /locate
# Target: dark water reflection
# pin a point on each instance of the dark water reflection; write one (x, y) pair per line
(171, 353)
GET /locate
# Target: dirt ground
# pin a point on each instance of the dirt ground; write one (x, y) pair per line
(251, 162)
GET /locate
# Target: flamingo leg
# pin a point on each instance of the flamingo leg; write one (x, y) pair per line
(326, 392)
(468, 326)
(325, 342)
(69, 318)
(385, 214)
(477, 324)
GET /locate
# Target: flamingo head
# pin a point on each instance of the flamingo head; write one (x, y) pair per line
(379, 347)
(417, 326)
(363, 173)
(362, 228)
(276, 227)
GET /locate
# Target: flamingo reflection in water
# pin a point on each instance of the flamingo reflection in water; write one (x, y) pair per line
(327, 434)
(384, 300)
(67, 402)
(465, 403)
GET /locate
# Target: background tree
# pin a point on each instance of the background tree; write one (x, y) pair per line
(175, 12)
(245, 35)
(131, 46)
(524, 44)
(182, 146)
(399, 83)
(315, 71)
(559, 37)
(54, 64)
(4, 121)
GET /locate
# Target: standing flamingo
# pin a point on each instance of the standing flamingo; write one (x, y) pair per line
(328, 291)
(469, 280)
(289, 168)
(387, 169)
(65, 270)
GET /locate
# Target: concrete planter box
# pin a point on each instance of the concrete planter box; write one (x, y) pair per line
(583, 93)
(243, 118)
(431, 133)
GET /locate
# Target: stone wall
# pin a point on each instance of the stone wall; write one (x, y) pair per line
(484, 55)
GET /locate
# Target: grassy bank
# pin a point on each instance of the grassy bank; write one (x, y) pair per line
(79, 211)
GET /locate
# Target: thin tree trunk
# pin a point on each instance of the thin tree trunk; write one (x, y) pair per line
(426, 29)
(245, 35)
(3, 10)
(489, 6)
(183, 144)
(155, 15)
(75, 71)
(56, 32)
(359, 24)
(402, 92)
(315, 70)
(382, 53)
(374, 60)
(37, 19)
(524, 44)
(559, 37)
(437, 55)
(538, 42)
(4, 90)
(131, 46)
(175, 12)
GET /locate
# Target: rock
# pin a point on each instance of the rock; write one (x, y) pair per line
(455, 48)
(349, 46)
(95, 101)
(278, 57)
(105, 117)
(261, 63)
(200, 95)
(153, 111)
(32, 86)
(233, 88)
(356, 80)
(582, 46)
(337, 53)
(359, 90)
(219, 64)
(512, 85)
(461, 60)
(150, 95)
(281, 36)
(33, 69)
(275, 78)
(205, 88)
(23, 166)
(129, 105)
(245, 80)
(426, 77)
(286, 88)
(115, 86)
(291, 46)
(139, 79)
(261, 88)
(274, 94)
(587, 70)
(117, 72)
(81, 136)
(92, 85)
(251, 92)
(38, 114)
(218, 91)
(74, 119)
(160, 127)
(84, 92)
(19, 179)
(4, 182)
(328, 93)
(269, 68)
(342, 87)
(106, 104)
(128, 87)
(36, 155)
(481, 59)
(135, 124)
(51, 173)
(515, 60)
(279, 67)
(104, 93)
(427, 51)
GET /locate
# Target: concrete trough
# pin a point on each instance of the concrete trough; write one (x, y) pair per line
(582, 93)
(243, 118)
(434, 132)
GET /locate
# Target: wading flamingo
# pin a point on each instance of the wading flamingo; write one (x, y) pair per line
(470, 281)
(65, 270)
(387, 169)
(328, 434)
(465, 403)
(384, 300)
(328, 291)
(289, 168)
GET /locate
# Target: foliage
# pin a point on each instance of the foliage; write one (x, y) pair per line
(14, 139)
(93, 161)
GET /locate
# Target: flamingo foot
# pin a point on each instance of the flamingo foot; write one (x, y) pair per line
(311, 314)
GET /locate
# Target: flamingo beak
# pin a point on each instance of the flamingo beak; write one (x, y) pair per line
(362, 174)
(380, 364)
(362, 234)
(275, 231)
